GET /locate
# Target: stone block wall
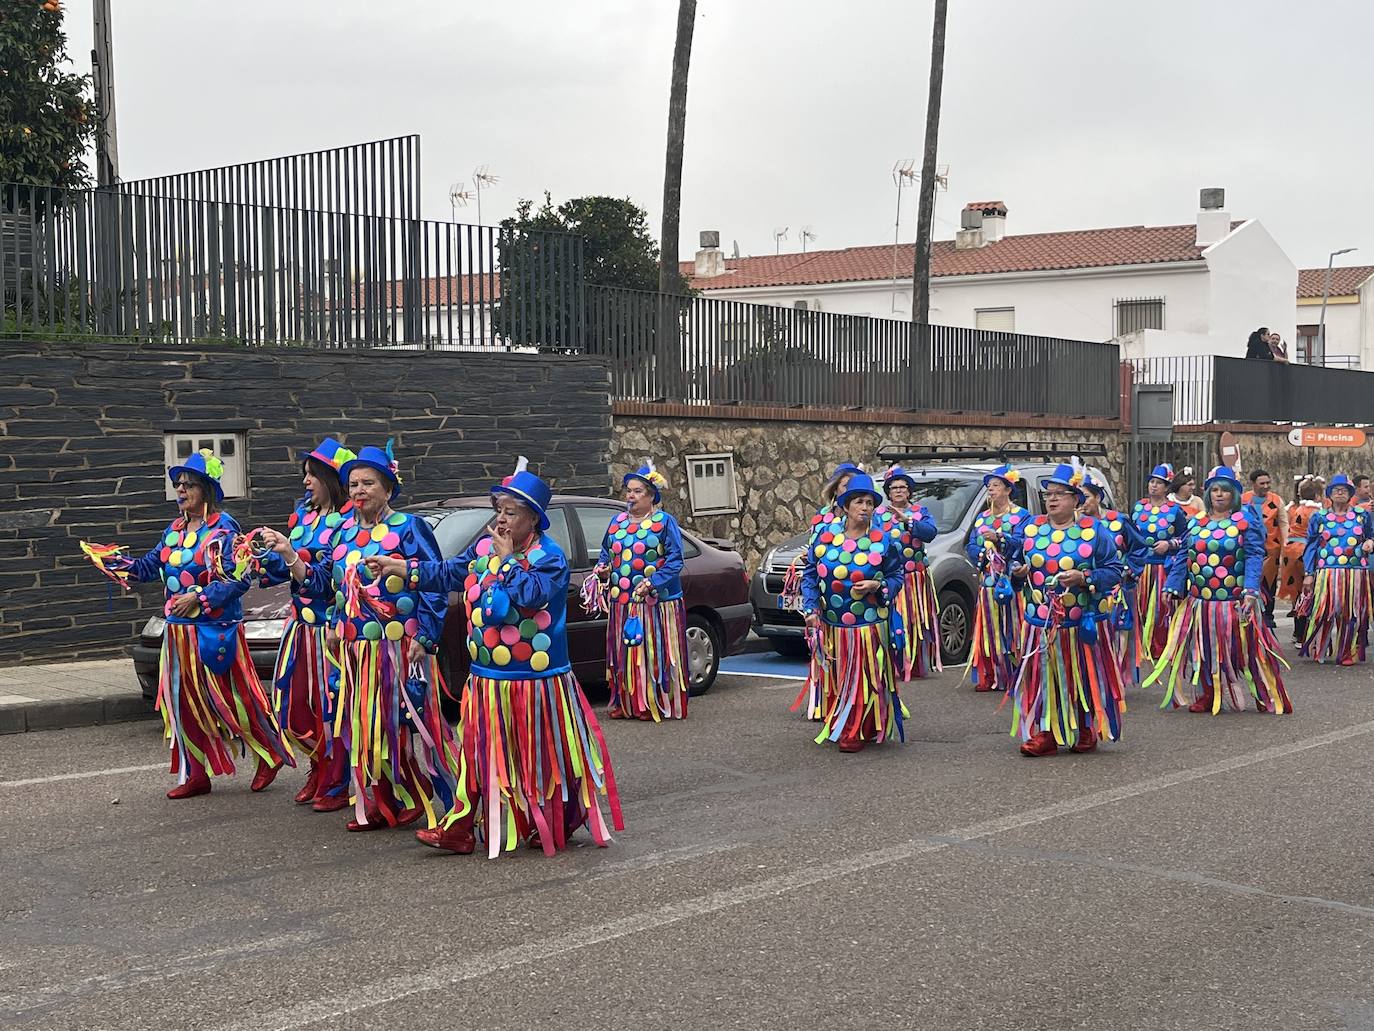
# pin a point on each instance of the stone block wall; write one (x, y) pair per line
(82, 434)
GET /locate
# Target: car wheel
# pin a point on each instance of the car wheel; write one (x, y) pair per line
(956, 628)
(791, 647)
(703, 655)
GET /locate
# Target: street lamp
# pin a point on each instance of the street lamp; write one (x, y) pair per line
(1326, 291)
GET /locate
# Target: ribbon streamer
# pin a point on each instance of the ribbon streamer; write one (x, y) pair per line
(103, 555)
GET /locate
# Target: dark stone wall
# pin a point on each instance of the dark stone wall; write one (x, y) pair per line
(81, 451)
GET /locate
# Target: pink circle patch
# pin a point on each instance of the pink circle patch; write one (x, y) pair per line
(412, 627)
(474, 592)
(847, 618)
(510, 634)
(391, 541)
(484, 546)
(1086, 550)
(849, 545)
(542, 619)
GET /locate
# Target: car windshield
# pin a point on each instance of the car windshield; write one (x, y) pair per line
(947, 497)
(455, 529)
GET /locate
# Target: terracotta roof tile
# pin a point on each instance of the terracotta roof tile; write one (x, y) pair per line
(1031, 252)
(1344, 281)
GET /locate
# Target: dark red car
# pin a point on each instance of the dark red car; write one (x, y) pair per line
(714, 582)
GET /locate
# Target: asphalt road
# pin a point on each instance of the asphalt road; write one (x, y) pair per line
(1207, 873)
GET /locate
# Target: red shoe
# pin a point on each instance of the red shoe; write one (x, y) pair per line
(982, 687)
(196, 785)
(329, 803)
(307, 794)
(407, 816)
(1087, 739)
(266, 775)
(374, 822)
(852, 744)
(457, 839)
(1202, 704)
(1041, 743)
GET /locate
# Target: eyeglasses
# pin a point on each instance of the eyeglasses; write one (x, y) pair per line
(1056, 494)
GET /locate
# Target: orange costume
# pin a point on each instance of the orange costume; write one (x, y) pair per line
(1271, 510)
(1291, 568)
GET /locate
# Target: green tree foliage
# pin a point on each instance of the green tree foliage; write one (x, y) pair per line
(47, 119)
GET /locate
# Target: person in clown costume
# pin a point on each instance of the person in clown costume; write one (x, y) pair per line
(646, 635)
(401, 754)
(1218, 639)
(1132, 549)
(533, 762)
(911, 528)
(1162, 524)
(1340, 539)
(208, 691)
(1069, 690)
(851, 579)
(306, 680)
(997, 616)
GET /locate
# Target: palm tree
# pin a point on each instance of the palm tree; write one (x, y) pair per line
(669, 280)
(920, 308)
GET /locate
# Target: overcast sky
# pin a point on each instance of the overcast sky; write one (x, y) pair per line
(1077, 113)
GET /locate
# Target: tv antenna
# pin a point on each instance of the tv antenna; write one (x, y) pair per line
(779, 235)
(904, 174)
(458, 197)
(483, 176)
(807, 233)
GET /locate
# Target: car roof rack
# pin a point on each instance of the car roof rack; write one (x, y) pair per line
(1022, 449)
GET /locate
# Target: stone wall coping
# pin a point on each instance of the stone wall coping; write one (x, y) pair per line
(874, 416)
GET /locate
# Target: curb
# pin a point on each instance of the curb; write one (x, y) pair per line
(59, 714)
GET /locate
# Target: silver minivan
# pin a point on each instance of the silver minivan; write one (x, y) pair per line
(953, 492)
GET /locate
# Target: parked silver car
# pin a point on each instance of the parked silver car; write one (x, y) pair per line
(953, 492)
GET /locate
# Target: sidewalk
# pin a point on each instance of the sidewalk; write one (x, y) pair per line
(70, 694)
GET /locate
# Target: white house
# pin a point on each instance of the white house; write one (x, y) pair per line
(1196, 288)
(1349, 317)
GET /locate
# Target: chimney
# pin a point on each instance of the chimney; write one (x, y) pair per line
(710, 259)
(1213, 222)
(982, 222)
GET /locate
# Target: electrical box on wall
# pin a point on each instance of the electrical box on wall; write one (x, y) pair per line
(1153, 411)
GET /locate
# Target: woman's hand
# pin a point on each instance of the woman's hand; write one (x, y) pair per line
(1161, 548)
(602, 573)
(1072, 578)
(1308, 582)
(866, 586)
(185, 605)
(1368, 546)
(1019, 570)
(813, 620)
(384, 565)
(279, 543)
(643, 589)
(501, 544)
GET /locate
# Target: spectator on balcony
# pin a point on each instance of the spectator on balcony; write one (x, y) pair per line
(1257, 346)
(1266, 501)
(1182, 493)
(1278, 349)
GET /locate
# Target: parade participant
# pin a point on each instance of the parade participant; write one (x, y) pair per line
(646, 635)
(388, 719)
(1132, 549)
(1291, 571)
(1218, 640)
(1183, 492)
(208, 691)
(307, 669)
(1162, 524)
(994, 652)
(1265, 500)
(1068, 691)
(1363, 497)
(533, 759)
(851, 580)
(918, 610)
(1339, 541)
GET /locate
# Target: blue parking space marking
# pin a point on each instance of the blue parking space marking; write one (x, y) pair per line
(765, 664)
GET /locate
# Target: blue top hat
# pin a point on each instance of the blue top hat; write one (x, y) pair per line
(204, 464)
(1164, 471)
(1065, 474)
(845, 467)
(897, 474)
(525, 486)
(1222, 474)
(650, 477)
(1089, 483)
(384, 461)
(860, 483)
(332, 454)
(1007, 473)
(1340, 480)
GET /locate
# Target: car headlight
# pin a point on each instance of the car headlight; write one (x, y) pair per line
(154, 626)
(264, 629)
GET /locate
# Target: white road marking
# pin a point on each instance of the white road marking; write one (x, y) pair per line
(56, 777)
(444, 976)
(761, 676)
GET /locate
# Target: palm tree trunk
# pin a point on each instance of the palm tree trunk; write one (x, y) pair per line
(920, 307)
(672, 379)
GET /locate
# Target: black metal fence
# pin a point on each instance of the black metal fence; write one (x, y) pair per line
(1209, 388)
(121, 264)
(704, 350)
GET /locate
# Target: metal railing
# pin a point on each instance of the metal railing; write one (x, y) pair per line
(121, 264)
(1209, 388)
(703, 350)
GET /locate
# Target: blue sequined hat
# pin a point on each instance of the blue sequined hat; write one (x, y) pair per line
(895, 474)
(1066, 474)
(204, 464)
(525, 486)
(1340, 480)
(1007, 473)
(860, 483)
(1164, 471)
(1222, 474)
(383, 460)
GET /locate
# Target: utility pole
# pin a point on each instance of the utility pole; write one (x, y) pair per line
(102, 67)
(921, 369)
